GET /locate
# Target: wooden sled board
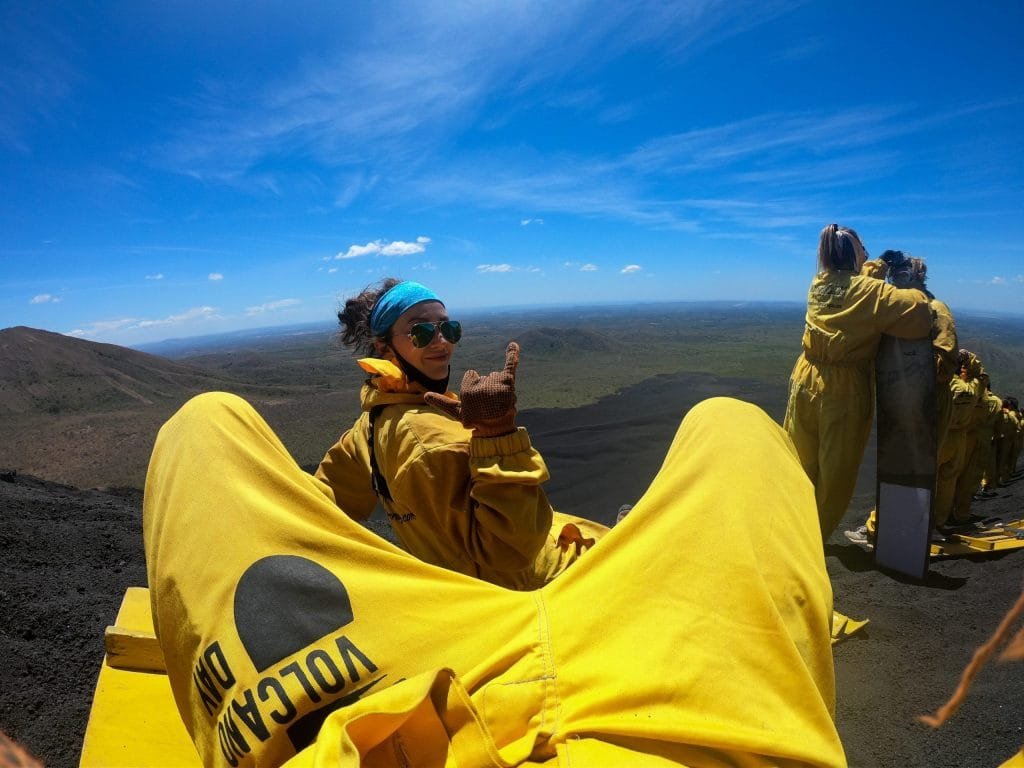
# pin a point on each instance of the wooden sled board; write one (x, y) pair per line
(133, 722)
(843, 626)
(990, 536)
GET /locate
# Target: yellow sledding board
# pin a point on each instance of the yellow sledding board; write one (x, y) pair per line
(988, 536)
(133, 722)
(843, 626)
(1017, 761)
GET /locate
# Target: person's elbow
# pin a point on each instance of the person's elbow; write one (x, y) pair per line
(916, 323)
(507, 555)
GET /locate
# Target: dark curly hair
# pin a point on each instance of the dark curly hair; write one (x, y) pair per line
(354, 317)
(910, 271)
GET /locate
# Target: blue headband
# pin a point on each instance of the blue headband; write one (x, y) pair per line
(395, 301)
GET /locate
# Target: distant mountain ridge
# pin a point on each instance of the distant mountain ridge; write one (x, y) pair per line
(42, 372)
(86, 413)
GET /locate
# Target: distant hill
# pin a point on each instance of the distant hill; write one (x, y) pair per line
(85, 413)
(48, 373)
(548, 340)
(233, 341)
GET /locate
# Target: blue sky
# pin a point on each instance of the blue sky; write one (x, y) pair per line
(183, 168)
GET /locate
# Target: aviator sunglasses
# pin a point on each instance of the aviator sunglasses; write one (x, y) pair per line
(423, 333)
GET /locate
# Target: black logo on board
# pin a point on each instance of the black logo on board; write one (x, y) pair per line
(285, 606)
(284, 603)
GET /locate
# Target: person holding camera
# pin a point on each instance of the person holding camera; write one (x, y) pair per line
(831, 389)
(951, 393)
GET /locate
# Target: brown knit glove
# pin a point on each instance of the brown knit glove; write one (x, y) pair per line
(488, 403)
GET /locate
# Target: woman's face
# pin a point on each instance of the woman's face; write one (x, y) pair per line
(433, 359)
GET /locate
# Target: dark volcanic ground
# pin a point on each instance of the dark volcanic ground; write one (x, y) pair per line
(69, 554)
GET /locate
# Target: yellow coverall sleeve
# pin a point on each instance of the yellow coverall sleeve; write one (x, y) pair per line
(511, 509)
(875, 268)
(487, 507)
(346, 470)
(902, 312)
(944, 342)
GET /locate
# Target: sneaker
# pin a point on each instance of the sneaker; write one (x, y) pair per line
(858, 535)
(623, 511)
(940, 536)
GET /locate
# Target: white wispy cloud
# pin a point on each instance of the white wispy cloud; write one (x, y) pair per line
(376, 112)
(754, 173)
(997, 280)
(583, 187)
(157, 276)
(383, 248)
(271, 306)
(215, 276)
(103, 326)
(409, 81)
(765, 134)
(494, 268)
(37, 74)
(631, 269)
(188, 316)
(398, 248)
(352, 188)
(44, 298)
(355, 251)
(581, 267)
(125, 324)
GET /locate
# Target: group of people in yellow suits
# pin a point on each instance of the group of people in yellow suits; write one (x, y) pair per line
(981, 446)
(851, 303)
(1007, 440)
(502, 631)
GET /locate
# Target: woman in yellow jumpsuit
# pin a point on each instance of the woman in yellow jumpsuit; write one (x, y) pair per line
(462, 485)
(1006, 434)
(965, 391)
(294, 636)
(1016, 439)
(831, 389)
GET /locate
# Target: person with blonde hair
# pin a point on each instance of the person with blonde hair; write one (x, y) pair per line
(911, 272)
(831, 389)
